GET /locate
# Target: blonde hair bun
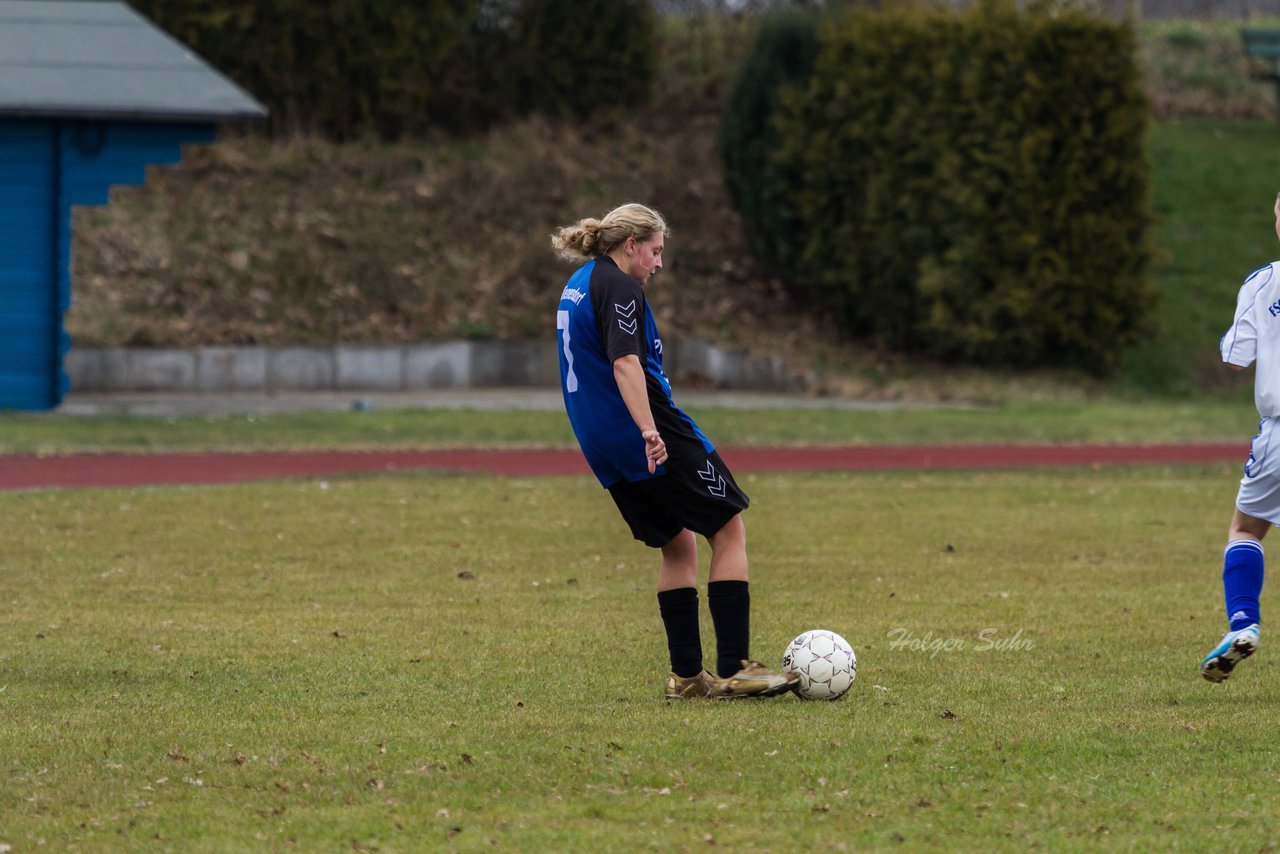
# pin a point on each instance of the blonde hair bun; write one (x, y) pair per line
(592, 238)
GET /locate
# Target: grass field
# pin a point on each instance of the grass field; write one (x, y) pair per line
(419, 663)
(1213, 187)
(430, 662)
(1110, 421)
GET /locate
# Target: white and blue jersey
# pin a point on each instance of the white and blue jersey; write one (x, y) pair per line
(1255, 336)
(603, 316)
(1254, 339)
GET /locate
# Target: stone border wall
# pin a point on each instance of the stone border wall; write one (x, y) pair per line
(408, 367)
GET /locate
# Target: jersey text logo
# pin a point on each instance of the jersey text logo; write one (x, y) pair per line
(1274, 309)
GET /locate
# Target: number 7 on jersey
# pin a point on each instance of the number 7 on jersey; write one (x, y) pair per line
(562, 325)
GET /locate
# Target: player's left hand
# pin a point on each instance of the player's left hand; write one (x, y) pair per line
(655, 449)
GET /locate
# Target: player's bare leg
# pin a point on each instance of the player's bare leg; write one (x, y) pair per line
(679, 562)
(729, 551)
(1246, 527)
(1242, 581)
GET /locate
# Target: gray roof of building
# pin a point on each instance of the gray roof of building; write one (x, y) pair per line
(100, 59)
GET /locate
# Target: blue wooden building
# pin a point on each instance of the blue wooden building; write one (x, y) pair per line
(91, 93)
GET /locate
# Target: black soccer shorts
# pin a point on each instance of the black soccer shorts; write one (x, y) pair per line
(698, 494)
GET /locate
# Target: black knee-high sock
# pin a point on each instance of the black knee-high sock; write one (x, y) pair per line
(679, 609)
(730, 604)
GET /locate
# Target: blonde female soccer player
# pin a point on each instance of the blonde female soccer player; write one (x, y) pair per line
(662, 472)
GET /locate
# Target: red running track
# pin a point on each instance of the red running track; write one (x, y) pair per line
(28, 471)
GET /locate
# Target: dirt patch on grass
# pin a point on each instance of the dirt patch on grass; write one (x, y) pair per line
(308, 241)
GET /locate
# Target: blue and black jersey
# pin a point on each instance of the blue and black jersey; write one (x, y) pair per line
(602, 317)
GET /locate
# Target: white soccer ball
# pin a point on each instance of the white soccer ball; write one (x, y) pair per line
(825, 663)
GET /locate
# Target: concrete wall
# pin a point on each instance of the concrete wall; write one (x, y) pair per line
(408, 367)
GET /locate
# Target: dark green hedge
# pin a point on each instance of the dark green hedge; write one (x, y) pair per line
(972, 185)
(581, 55)
(781, 60)
(352, 68)
(342, 68)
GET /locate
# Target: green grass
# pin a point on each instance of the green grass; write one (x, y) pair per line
(1214, 186)
(1199, 68)
(289, 665)
(1109, 421)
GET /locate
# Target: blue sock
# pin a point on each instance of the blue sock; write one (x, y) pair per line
(1242, 570)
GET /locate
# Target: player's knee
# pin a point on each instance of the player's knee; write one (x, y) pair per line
(1244, 526)
(733, 532)
(683, 547)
